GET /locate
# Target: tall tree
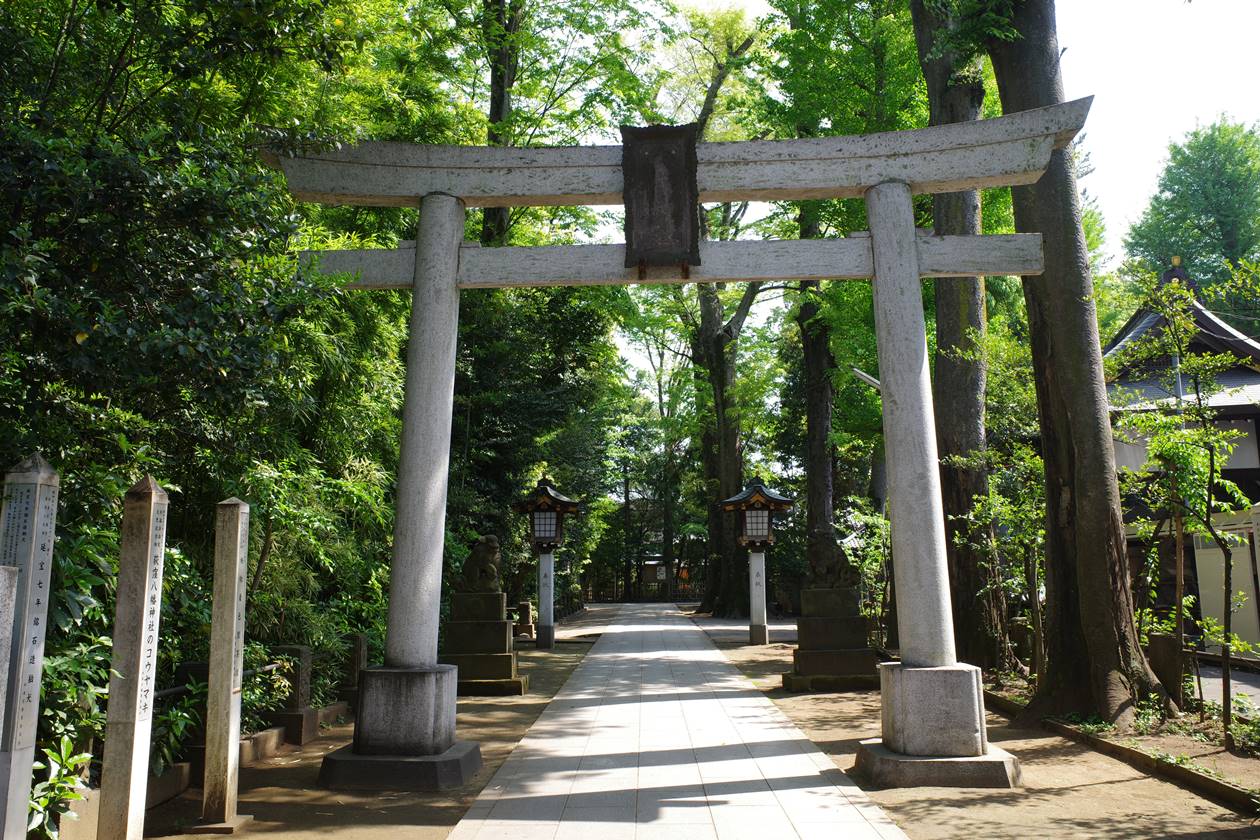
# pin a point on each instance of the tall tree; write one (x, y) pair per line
(955, 86)
(1094, 664)
(716, 47)
(837, 67)
(1207, 210)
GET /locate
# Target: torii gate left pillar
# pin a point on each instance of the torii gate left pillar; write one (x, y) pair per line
(404, 733)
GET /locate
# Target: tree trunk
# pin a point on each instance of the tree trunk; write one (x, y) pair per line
(719, 366)
(955, 89)
(626, 590)
(1093, 662)
(821, 551)
(500, 23)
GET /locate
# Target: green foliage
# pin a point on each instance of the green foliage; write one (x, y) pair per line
(1207, 209)
(62, 785)
(263, 691)
(173, 723)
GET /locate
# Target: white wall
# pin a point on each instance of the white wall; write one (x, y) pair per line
(1246, 454)
(1210, 564)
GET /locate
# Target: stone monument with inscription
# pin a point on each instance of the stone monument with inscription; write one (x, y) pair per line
(137, 617)
(27, 533)
(227, 662)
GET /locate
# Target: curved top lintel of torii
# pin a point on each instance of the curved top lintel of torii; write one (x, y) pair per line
(1004, 151)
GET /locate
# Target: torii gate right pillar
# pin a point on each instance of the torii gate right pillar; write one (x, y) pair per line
(932, 706)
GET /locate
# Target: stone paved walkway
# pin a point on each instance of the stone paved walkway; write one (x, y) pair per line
(655, 737)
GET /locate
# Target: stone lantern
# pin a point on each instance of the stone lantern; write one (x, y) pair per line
(757, 505)
(546, 509)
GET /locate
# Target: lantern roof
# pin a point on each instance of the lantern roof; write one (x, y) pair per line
(545, 497)
(757, 494)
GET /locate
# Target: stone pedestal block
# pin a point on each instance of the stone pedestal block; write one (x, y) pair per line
(406, 711)
(300, 721)
(831, 632)
(839, 601)
(479, 636)
(300, 726)
(483, 666)
(478, 606)
(832, 653)
(935, 711)
(478, 641)
(758, 634)
(884, 768)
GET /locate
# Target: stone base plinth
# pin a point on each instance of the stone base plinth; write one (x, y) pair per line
(800, 683)
(935, 711)
(526, 630)
(488, 674)
(478, 636)
(300, 725)
(405, 711)
(546, 638)
(882, 767)
(508, 687)
(345, 769)
(230, 827)
(478, 606)
(832, 652)
(758, 634)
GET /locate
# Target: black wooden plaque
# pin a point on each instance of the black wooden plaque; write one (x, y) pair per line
(662, 200)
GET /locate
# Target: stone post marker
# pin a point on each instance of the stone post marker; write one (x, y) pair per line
(930, 704)
(404, 734)
(27, 531)
(546, 631)
(758, 631)
(8, 615)
(227, 661)
(129, 720)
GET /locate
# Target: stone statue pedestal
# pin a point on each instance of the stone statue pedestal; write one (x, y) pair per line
(832, 653)
(479, 643)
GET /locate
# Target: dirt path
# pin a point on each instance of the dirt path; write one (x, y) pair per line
(1069, 790)
(282, 795)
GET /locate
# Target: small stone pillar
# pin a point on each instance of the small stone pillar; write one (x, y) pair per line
(300, 721)
(546, 638)
(27, 533)
(227, 663)
(355, 665)
(405, 724)
(524, 625)
(129, 719)
(1165, 655)
(758, 631)
(931, 705)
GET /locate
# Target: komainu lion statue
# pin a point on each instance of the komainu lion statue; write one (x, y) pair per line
(481, 569)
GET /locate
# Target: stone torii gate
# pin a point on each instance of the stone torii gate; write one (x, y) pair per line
(931, 704)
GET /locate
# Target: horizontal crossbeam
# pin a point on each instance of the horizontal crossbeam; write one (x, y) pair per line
(1003, 151)
(721, 262)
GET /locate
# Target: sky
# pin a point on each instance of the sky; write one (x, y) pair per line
(1156, 69)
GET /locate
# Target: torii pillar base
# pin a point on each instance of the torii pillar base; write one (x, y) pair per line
(934, 732)
(404, 735)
